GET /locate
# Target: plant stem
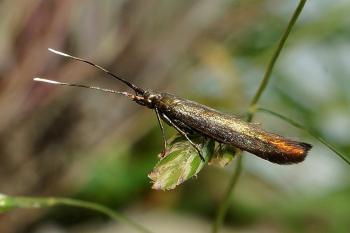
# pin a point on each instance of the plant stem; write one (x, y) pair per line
(252, 109)
(275, 56)
(28, 202)
(225, 203)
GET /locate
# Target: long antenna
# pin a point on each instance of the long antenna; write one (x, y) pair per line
(130, 96)
(138, 90)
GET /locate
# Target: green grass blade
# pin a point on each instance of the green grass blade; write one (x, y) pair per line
(8, 203)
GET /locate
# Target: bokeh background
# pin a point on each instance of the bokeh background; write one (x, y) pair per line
(61, 141)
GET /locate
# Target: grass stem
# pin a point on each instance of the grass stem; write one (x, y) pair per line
(252, 109)
(10, 202)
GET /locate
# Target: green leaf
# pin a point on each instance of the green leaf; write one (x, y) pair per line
(223, 155)
(181, 161)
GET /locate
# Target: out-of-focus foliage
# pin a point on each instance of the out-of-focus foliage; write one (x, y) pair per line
(69, 142)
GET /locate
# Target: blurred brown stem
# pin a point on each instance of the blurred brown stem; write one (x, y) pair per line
(252, 109)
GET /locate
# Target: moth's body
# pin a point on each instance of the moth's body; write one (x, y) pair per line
(228, 129)
(187, 116)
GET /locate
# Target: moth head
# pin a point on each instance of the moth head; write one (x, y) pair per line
(148, 98)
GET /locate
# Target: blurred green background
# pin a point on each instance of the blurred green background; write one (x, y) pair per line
(59, 141)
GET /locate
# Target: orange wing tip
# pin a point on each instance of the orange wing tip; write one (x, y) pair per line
(291, 151)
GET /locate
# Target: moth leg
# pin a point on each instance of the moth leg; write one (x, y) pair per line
(185, 135)
(220, 146)
(162, 129)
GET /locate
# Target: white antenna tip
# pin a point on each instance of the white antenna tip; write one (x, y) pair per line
(58, 52)
(46, 81)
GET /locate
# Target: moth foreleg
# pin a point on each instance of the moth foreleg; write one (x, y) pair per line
(183, 133)
(162, 129)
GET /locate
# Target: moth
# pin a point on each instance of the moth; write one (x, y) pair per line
(187, 117)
